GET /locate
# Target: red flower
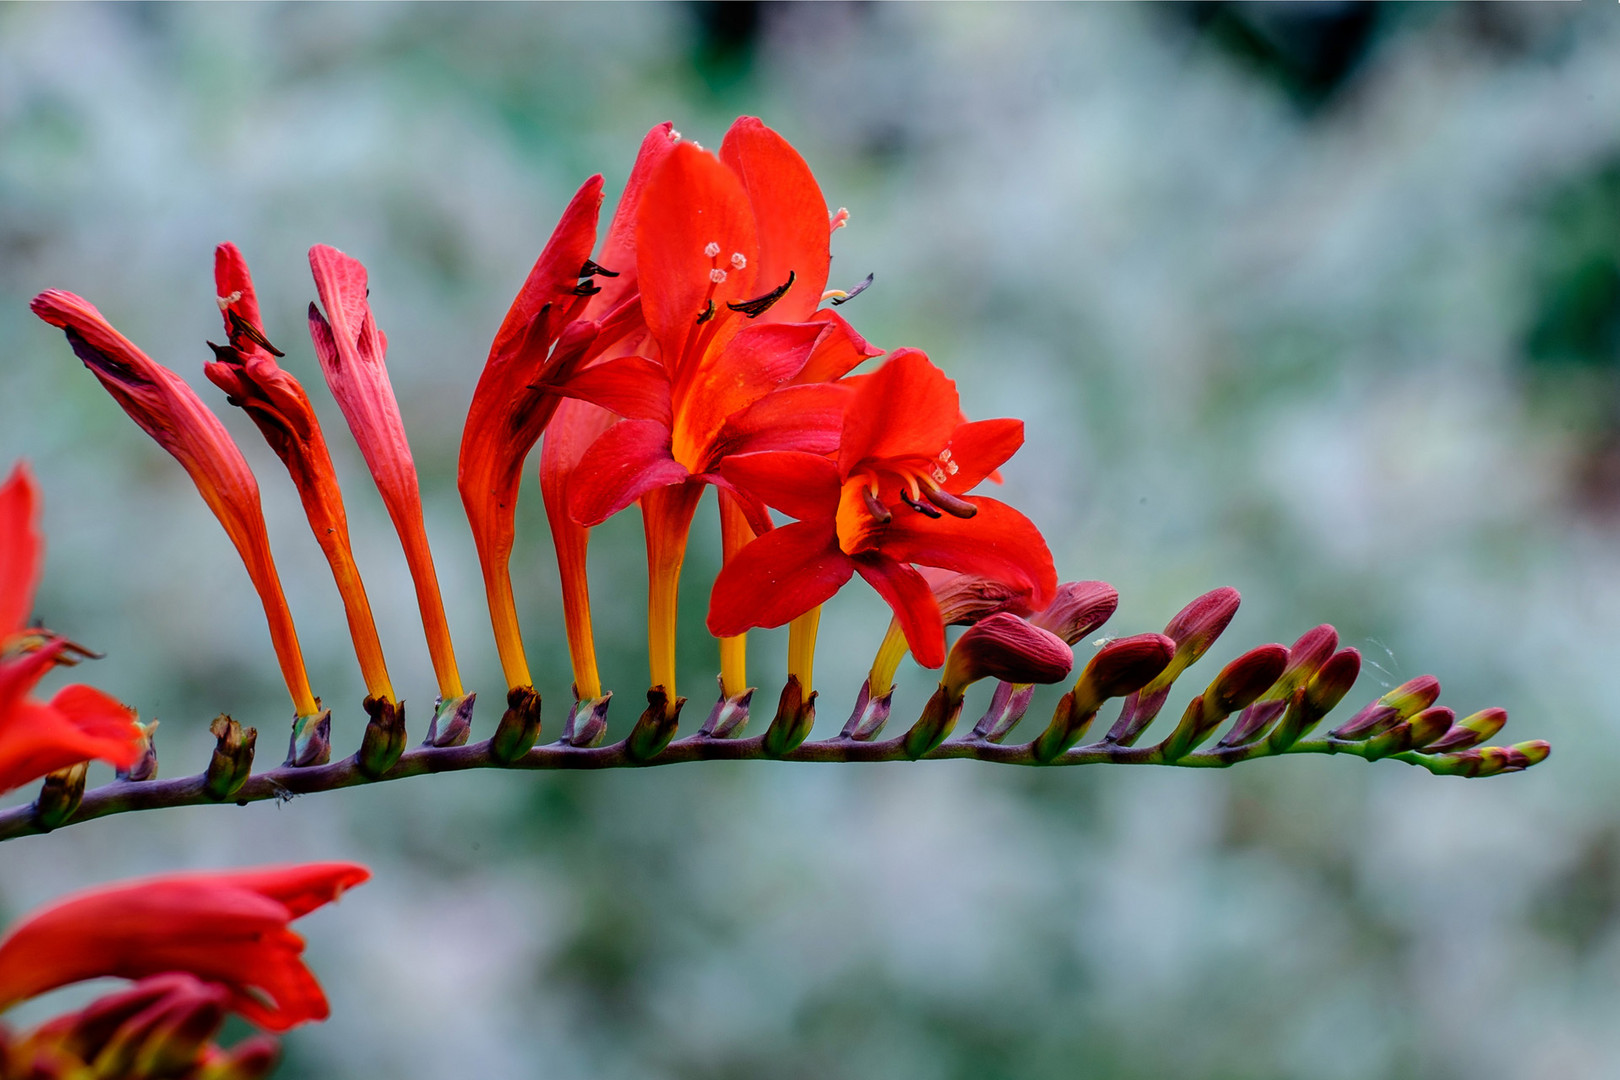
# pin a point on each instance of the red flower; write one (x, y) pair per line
(80, 723)
(894, 497)
(351, 350)
(228, 928)
(169, 410)
(246, 369)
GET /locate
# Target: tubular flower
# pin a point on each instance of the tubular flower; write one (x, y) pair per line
(247, 371)
(79, 723)
(161, 1028)
(731, 257)
(227, 928)
(895, 496)
(169, 410)
(351, 350)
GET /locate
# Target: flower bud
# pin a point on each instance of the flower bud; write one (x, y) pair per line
(1237, 685)
(1315, 699)
(1470, 731)
(519, 728)
(729, 715)
(1534, 752)
(253, 1058)
(452, 721)
(1305, 657)
(656, 727)
(1404, 701)
(165, 1038)
(1429, 725)
(1003, 646)
(1193, 629)
(144, 767)
(935, 723)
(384, 739)
(587, 720)
(60, 795)
(1007, 707)
(311, 742)
(1079, 608)
(795, 716)
(232, 762)
(1120, 667)
(871, 713)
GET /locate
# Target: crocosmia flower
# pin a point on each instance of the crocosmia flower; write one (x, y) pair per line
(227, 928)
(896, 495)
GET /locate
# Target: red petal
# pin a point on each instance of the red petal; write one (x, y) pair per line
(619, 249)
(837, 352)
(997, 543)
(777, 578)
(913, 602)
(750, 366)
(790, 214)
(553, 278)
(905, 408)
(806, 418)
(690, 202)
(800, 485)
(629, 460)
(979, 449)
(22, 549)
(630, 386)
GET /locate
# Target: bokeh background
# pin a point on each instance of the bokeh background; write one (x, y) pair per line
(1321, 302)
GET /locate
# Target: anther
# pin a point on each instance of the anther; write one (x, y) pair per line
(950, 503)
(596, 269)
(712, 250)
(241, 326)
(921, 507)
(875, 507)
(738, 260)
(226, 301)
(587, 287)
(706, 314)
(839, 220)
(759, 305)
(853, 293)
(717, 275)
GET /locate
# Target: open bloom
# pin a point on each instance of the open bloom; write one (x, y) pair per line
(228, 928)
(246, 369)
(167, 409)
(80, 723)
(895, 496)
(352, 351)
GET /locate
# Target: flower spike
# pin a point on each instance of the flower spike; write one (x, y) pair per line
(167, 409)
(247, 371)
(351, 350)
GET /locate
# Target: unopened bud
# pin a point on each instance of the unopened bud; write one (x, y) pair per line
(1121, 667)
(1237, 685)
(729, 715)
(1193, 630)
(1406, 700)
(1429, 725)
(311, 742)
(60, 795)
(253, 1058)
(232, 762)
(1534, 751)
(519, 728)
(1318, 697)
(795, 716)
(145, 766)
(1007, 707)
(587, 720)
(1470, 731)
(870, 715)
(1305, 657)
(452, 721)
(964, 599)
(384, 738)
(1078, 609)
(656, 727)
(1003, 646)
(935, 723)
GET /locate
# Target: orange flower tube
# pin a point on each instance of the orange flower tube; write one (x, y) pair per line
(351, 351)
(228, 928)
(246, 369)
(169, 410)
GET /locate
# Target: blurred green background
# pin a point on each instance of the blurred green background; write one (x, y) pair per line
(1320, 302)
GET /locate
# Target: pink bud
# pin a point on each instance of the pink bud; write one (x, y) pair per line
(1003, 646)
(1079, 608)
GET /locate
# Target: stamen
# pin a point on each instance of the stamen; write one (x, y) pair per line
(587, 287)
(226, 301)
(875, 507)
(738, 260)
(921, 507)
(596, 269)
(712, 250)
(949, 503)
(853, 293)
(706, 314)
(241, 326)
(759, 305)
(717, 275)
(839, 220)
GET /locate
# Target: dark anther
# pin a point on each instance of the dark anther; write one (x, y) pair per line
(853, 293)
(876, 508)
(241, 326)
(921, 507)
(706, 314)
(225, 353)
(587, 287)
(759, 305)
(950, 503)
(593, 269)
